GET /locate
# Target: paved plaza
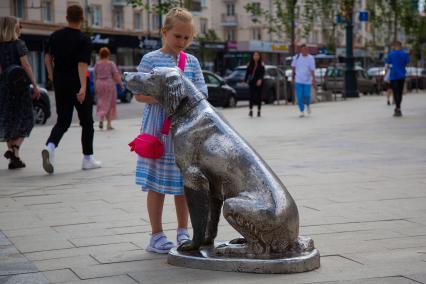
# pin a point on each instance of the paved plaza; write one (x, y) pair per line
(357, 174)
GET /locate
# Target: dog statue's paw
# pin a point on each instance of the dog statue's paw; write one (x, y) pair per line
(238, 241)
(188, 246)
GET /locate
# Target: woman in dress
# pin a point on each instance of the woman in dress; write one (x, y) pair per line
(16, 110)
(106, 76)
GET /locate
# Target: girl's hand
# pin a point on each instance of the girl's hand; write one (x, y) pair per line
(36, 92)
(259, 82)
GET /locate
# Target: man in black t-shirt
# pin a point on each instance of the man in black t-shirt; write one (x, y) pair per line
(67, 57)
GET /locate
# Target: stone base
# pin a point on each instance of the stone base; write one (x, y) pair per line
(206, 259)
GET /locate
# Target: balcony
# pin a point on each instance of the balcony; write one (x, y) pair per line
(119, 2)
(229, 20)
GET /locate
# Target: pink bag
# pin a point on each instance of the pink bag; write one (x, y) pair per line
(150, 146)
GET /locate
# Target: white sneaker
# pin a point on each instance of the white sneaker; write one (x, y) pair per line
(48, 156)
(301, 114)
(90, 164)
(308, 109)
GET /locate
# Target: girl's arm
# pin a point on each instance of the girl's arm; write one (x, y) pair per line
(116, 76)
(26, 65)
(145, 99)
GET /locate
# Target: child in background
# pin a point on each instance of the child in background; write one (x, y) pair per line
(162, 176)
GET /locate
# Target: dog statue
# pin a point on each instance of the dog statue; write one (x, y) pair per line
(219, 168)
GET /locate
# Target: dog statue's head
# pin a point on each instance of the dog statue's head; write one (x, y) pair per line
(165, 84)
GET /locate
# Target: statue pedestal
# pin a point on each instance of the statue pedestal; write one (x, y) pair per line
(206, 258)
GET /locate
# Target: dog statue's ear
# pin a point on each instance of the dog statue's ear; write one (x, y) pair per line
(174, 91)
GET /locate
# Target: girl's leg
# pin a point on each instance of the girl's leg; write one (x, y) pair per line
(389, 95)
(181, 211)
(155, 202)
(101, 122)
(16, 142)
(109, 120)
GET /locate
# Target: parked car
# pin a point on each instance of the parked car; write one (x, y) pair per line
(415, 78)
(124, 96)
(319, 75)
(377, 74)
(220, 93)
(334, 80)
(41, 107)
(273, 75)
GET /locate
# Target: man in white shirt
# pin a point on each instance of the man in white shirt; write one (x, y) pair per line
(303, 66)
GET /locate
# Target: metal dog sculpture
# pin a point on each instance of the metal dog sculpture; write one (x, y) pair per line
(221, 169)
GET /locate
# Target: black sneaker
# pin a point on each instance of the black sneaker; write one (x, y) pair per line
(251, 113)
(397, 113)
(258, 113)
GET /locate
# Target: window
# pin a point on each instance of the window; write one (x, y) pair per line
(230, 35)
(96, 15)
(19, 6)
(118, 18)
(203, 26)
(256, 6)
(256, 34)
(213, 80)
(230, 9)
(46, 10)
(137, 21)
(272, 72)
(156, 22)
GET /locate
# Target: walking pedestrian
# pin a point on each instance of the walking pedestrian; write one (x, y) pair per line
(67, 57)
(16, 109)
(162, 176)
(387, 87)
(106, 76)
(396, 61)
(254, 77)
(303, 78)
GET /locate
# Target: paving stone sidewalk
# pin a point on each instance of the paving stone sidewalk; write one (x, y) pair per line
(357, 174)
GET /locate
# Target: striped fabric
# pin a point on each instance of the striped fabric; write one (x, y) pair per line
(162, 175)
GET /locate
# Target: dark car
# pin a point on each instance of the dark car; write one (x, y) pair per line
(334, 80)
(220, 93)
(124, 96)
(273, 76)
(41, 107)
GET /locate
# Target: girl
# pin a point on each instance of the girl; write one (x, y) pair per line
(254, 77)
(162, 176)
(16, 109)
(106, 76)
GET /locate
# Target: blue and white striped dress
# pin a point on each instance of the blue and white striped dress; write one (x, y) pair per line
(162, 175)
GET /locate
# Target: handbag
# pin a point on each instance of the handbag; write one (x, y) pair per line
(150, 146)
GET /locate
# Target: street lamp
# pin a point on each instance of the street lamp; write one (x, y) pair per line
(351, 88)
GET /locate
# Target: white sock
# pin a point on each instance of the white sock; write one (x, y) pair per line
(51, 147)
(88, 157)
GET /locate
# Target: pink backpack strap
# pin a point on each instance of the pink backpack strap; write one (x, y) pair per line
(182, 60)
(168, 121)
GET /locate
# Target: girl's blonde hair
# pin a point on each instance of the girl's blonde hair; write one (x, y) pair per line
(8, 28)
(180, 14)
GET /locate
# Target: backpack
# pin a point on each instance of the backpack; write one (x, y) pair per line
(14, 76)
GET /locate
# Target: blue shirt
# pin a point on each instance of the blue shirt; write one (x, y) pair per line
(398, 60)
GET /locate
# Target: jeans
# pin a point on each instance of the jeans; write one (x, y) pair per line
(303, 93)
(397, 89)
